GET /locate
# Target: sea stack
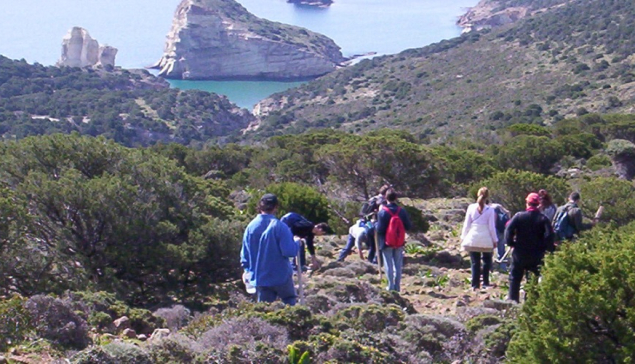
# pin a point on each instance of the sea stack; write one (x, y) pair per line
(220, 39)
(79, 49)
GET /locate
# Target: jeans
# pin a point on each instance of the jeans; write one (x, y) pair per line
(350, 243)
(501, 251)
(286, 292)
(475, 258)
(393, 264)
(522, 264)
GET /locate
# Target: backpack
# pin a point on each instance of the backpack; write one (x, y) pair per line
(501, 219)
(370, 206)
(396, 232)
(562, 226)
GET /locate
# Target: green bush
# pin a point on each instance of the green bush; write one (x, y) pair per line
(368, 318)
(583, 310)
(294, 197)
(616, 195)
(620, 147)
(419, 223)
(598, 162)
(532, 153)
(510, 188)
(125, 353)
(15, 322)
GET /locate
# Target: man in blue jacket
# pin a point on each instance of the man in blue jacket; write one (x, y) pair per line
(267, 246)
(393, 257)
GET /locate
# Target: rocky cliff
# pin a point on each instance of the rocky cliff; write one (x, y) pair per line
(79, 49)
(219, 39)
(488, 14)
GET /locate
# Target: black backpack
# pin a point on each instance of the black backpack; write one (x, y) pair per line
(370, 207)
(501, 219)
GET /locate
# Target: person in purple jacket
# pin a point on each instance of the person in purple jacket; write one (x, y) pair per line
(267, 246)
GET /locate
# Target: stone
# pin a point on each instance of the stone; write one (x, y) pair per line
(499, 305)
(79, 49)
(142, 337)
(3, 360)
(159, 334)
(122, 323)
(220, 39)
(129, 333)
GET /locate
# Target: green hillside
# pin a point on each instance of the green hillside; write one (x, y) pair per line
(131, 107)
(565, 62)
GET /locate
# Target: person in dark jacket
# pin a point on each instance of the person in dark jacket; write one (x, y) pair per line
(574, 214)
(530, 234)
(305, 230)
(393, 257)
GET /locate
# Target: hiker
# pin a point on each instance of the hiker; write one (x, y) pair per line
(530, 234)
(372, 206)
(266, 248)
(547, 207)
(361, 232)
(305, 230)
(392, 224)
(479, 237)
(502, 217)
(567, 221)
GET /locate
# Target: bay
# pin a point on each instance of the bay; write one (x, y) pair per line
(33, 30)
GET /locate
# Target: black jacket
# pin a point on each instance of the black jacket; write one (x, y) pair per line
(530, 233)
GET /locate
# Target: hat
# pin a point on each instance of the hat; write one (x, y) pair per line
(533, 199)
(269, 199)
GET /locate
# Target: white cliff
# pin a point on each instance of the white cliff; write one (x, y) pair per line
(79, 49)
(219, 39)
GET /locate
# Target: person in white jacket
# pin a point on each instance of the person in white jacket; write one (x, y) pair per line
(479, 237)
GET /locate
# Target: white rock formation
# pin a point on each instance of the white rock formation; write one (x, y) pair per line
(80, 50)
(219, 39)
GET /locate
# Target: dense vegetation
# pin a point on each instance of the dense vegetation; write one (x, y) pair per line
(564, 62)
(130, 107)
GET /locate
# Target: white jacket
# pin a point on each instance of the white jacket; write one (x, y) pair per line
(479, 229)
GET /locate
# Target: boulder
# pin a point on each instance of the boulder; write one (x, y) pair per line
(159, 334)
(79, 49)
(220, 39)
(121, 324)
(129, 333)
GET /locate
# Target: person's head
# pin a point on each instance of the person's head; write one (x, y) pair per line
(545, 199)
(383, 189)
(533, 200)
(268, 204)
(320, 229)
(391, 195)
(574, 197)
(482, 198)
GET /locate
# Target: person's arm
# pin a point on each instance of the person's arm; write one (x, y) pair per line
(576, 219)
(491, 225)
(244, 251)
(549, 236)
(382, 221)
(467, 223)
(510, 231)
(288, 247)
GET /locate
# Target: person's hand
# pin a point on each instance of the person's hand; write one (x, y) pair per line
(495, 245)
(315, 263)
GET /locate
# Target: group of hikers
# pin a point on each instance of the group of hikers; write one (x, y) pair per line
(272, 249)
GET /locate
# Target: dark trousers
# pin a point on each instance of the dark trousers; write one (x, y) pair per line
(475, 258)
(521, 265)
(302, 258)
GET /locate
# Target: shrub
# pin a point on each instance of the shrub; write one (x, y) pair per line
(248, 333)
(479, 322)
(173, 349)
(373, 318)
(616, 195)
(55, 320)
(510, 188)
(15, 322)
(598, 161)
(527, 152)
(125, 353)
(141, 320)
(175, 317)
(432, 334)
(93, 355)
(582, 311)
(419, 223)
(294, 197)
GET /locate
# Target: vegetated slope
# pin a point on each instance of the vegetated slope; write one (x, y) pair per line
(571, 60)
(131, 107)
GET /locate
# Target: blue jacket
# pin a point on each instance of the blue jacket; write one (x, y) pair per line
(383, 219)
(267, 246)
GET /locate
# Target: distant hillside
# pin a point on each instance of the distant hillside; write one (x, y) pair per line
(573, 59)
(132, 107)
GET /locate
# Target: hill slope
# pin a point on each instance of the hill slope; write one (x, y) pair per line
(573, 59)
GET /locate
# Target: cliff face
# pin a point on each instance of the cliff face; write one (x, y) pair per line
(219, 39)
(487, 14)
(79, 49)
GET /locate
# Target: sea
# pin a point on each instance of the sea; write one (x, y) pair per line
(33, 30)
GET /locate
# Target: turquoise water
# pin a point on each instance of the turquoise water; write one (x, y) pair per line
(33, 30)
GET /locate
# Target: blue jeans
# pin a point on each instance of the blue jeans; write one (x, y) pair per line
(501, 251)
(285, 291)
(350, 243)
(393, 264)
(475, 257)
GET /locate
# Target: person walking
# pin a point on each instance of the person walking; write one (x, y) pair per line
(547, 207)
(530, 234)
(306, 230)
(479, 238)
(502, 217)
(392, 224)
(567, 222)
(266, 248)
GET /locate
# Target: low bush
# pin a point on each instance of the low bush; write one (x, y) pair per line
(173, 349)
(15, 322)
(175, 317)
(124, 353)
(55, 320)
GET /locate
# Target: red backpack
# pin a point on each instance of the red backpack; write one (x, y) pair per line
(396, 232)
